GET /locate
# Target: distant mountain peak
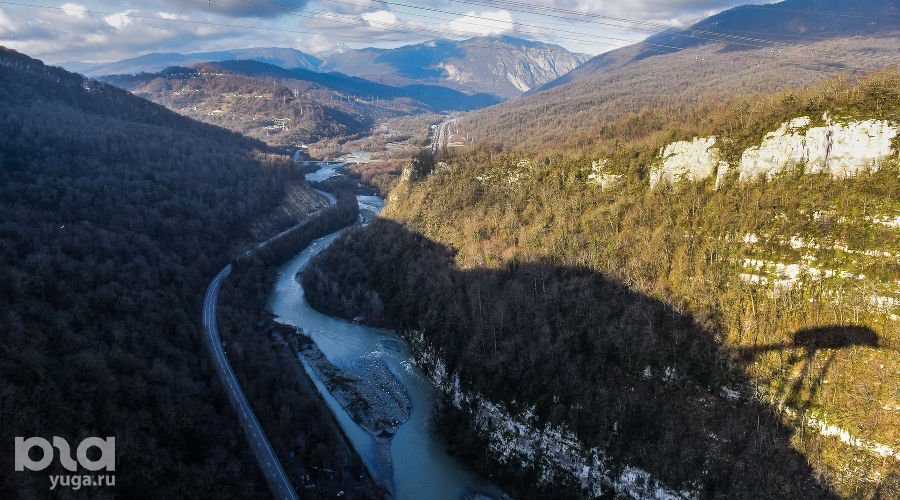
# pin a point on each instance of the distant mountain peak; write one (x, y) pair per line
(501, 65)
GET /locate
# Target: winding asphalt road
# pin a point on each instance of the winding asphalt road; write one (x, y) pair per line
(265, 455)
(273, 471)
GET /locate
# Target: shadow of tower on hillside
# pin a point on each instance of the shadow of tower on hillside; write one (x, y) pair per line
(812, 340)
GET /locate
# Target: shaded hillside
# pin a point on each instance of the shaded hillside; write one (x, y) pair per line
(502, 66)
(571, 116)
(597, 356)
(116, 213)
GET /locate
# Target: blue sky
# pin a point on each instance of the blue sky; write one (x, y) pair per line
(101, 30)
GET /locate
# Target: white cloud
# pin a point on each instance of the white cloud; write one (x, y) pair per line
(74, 10)
(170, 16)
(119, 20)
(7, 26)
(68, 33)
(55, 36)
(380, 19)
(315, 44)
(483, 24)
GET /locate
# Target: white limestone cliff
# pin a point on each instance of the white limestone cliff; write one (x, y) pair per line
(556, 452)
(686, 160)
(841, 149)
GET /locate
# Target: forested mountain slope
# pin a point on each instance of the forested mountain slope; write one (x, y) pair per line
(771, 27)
(289, 107)
(741, 51)
(116, 214)
(737, 340)
(250, 106)
(572, 116)
(437, 97)
(785, 23)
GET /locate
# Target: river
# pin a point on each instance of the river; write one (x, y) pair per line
(422, 469)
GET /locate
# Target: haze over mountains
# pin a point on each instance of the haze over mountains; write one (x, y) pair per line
(503, 66)
(751, 27)
(284, 57)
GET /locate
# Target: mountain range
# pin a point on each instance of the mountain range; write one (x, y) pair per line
(503, 66)
(158, 61)
(289, 107)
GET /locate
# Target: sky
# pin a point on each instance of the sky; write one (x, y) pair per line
(104, 30)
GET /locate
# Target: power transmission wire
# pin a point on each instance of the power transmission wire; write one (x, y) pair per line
(233, 26)
(549, 11)
(826, 13)
(430, 9)
(178, 20)
(589, 17)
(735, 39)
(669, 49)
(644, 44)
(336, 18)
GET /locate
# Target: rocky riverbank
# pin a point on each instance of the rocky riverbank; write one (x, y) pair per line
(367, 390)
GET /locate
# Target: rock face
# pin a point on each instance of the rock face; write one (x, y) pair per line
(370, 393)
(498, 65)
(516, 67)
(601, 177)
(840, 149)
(556, 452)
(686, 160)
(299, 203)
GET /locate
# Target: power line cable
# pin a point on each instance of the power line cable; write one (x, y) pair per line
(335, 18)
(829, 66)
(292, 10)
(647, 29)
(542, 10)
